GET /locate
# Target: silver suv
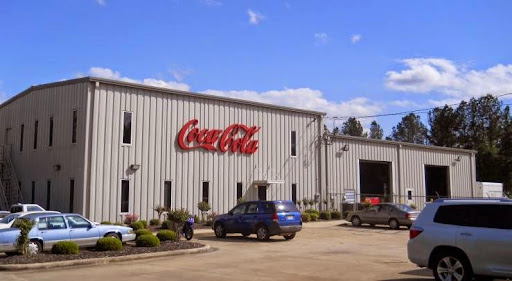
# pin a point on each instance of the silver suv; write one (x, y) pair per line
(462, 239)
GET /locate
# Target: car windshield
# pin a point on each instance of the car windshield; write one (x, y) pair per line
(9, 218)
(403, 207)
(285, 207)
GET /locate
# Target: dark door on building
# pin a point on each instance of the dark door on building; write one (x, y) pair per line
(262, 192)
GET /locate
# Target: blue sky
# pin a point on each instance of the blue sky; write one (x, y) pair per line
(342, 57)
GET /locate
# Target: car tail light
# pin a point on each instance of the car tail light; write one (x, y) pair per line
(274, 217)
(407, 216)
(414, 232)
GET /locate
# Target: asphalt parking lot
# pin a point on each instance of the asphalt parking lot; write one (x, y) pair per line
(322, 251)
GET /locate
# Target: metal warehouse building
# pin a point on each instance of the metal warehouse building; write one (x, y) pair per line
(105, 148)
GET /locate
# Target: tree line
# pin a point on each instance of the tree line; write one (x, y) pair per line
(483, 124)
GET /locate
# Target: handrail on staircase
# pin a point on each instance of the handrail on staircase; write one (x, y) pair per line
(14, 178)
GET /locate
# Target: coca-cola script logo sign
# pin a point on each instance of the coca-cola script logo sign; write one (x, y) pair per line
(235, 138)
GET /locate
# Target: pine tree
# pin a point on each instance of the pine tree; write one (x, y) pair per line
(410, 129)
(376, 131)
(352, 127)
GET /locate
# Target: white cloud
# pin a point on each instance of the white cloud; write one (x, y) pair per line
(180, 73)
(255, 17)
(212, 2)
(356, 38)
(305, 98)
(404, 103)
(101, 2)
(321, 38)
(116, 75)
(424, 75)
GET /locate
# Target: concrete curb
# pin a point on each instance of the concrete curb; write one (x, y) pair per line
(97, 261)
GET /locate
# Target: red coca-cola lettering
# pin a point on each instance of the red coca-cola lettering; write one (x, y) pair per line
(235, 138)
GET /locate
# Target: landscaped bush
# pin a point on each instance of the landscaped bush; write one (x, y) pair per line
(166, 224)
(413, 206)
(166, 235)
(346, 213)
(144, 223)
(367, 205)
(148, 240)
(142, 232)
(118, 223)
(65, 248)
(106, 222)
(197, 220)
(312, 211)
(178, 217)
(305, 217)
(109, 244)
(208, 223)
(24, 225)
(314, 216)
(137, 225)
(336, 215)
(325, 215)
(154, 222)
(130, 218)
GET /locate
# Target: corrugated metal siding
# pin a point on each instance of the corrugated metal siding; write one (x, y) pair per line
(157, 119)
(343, 167)
(38, 164)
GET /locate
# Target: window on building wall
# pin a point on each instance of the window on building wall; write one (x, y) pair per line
(48, 194)
(75, 123)
(239, 190)
(36, 127)
(294, 193)
(33, 194)
(125, 196)
(71, 195)
(206, 190)
(127, 127)
(50, 137)
(22, 132)
(293, 143)
(167, 193)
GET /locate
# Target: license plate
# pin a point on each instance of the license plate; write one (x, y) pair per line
(289, 217)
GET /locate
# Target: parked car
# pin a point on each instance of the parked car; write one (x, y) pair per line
(3, 214)
(22, 208)
(462, 239)
(263, 218)
(9, 220)
(52, 228)
(392, 214)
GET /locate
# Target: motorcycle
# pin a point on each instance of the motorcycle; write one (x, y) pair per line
(188, 228)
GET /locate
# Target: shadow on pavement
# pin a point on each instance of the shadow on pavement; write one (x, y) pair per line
(419, 274)
(240, 239)
(377, 227)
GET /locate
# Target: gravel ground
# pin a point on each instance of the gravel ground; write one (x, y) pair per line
(128, 249)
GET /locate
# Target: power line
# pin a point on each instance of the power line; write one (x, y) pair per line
(423, 110)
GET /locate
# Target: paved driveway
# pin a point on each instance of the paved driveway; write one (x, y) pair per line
(322, 251)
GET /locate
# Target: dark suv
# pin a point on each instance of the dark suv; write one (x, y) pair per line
(263, 218)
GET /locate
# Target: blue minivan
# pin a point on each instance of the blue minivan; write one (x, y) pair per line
(263, 218)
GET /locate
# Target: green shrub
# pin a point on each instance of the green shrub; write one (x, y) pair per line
(208, 222)
(148, 240)
(336, 215)
(413, 206)
(109, 244)
(137, 225)
(346, 213)
(144, 223)
(305, 217)
(118, 223)
(106, 223)
(325, 215)
(65, 248)
(142, 232)
(312, 211)
(366, 205)
(314, 217)
(166, 224)
(178, 217)
(197, 220)
(154, 222)
(24, 225)
(166, 235)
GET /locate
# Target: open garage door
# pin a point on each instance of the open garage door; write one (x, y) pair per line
(375, 180)
(437, 183)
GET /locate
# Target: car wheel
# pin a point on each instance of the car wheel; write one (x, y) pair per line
(245, 234)
(393, 224)
(289, 237)
(189, 233)
(262, 233)
(356, 221)
(114, 235)
(452, 266)
(220, 231)
(35, 247)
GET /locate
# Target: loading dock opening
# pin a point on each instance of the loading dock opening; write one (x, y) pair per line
(375, 180)
(437, 184)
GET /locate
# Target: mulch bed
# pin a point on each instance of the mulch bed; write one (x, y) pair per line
(128, 249)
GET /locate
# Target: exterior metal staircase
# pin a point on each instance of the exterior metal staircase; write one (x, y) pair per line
(10, 191)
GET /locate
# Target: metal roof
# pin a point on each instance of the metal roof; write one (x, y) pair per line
(158, 89)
